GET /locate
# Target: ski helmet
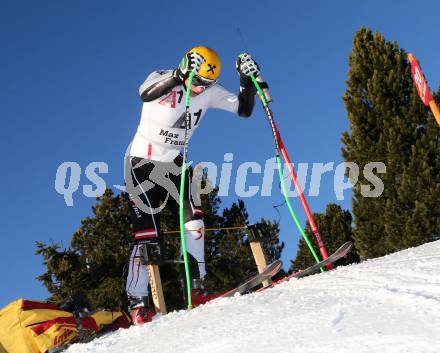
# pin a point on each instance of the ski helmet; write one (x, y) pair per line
(210, 69)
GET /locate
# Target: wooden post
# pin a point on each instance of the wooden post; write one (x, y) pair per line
(156, 289)
(260, 260)
(257, 250)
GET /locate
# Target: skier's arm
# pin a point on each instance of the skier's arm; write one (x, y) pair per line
(221, 98)
(243, 104)
(246, 97)
(157, 84)
(161, 82)
(246, 67)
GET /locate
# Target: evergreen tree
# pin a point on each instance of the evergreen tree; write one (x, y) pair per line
(390, 125)
(94, 263)
(335, 229)
(272, 247)
(419, 191)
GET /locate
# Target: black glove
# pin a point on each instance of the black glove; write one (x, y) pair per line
(246, 66)
(190, 62)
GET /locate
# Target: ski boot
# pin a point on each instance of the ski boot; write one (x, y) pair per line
(199, 295)
(140, 311)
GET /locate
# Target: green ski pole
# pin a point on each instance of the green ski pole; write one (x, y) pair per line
(182, 191)
(261, 95)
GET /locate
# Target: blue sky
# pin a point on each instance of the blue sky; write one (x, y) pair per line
(70, 71)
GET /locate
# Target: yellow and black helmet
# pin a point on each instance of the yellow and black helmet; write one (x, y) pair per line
(211, 68)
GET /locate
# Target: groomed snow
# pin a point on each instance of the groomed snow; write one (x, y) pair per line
(386, 305)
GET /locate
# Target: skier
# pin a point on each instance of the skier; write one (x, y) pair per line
(154, 161)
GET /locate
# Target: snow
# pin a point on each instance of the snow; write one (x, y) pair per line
(389, 304)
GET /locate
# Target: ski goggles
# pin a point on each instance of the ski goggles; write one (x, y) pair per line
(202, 82)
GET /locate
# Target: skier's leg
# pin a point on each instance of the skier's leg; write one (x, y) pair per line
(142, 202)
(194, 225)
(195, 245)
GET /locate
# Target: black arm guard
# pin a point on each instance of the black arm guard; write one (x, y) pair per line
(151, 90)
(246, 97)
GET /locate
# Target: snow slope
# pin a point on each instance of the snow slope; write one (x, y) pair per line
(389, 304)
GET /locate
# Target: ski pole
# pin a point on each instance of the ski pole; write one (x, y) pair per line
(182, 190)
(304, 203)
(422, 87)
(279, 147)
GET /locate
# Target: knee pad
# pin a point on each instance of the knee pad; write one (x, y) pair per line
(195, 243)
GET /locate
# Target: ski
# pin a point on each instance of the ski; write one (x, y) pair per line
(343, 250)
(270, 271)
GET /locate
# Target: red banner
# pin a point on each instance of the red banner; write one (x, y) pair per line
(419, 81)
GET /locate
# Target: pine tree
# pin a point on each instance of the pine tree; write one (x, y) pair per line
(389, 125)
(272, 247)
(94, 263)
(335, 228)
(419, 190)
